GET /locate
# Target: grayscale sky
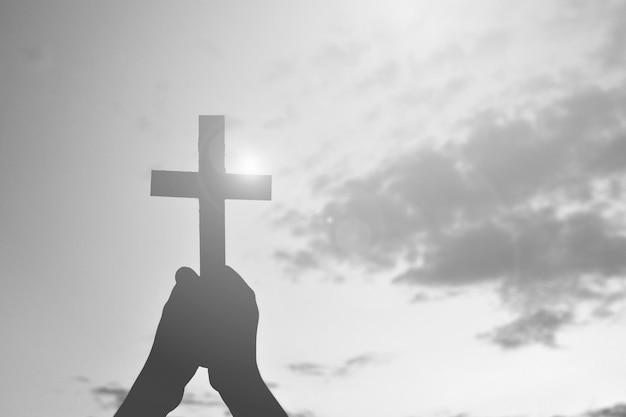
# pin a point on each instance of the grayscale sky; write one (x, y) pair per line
(446, 233)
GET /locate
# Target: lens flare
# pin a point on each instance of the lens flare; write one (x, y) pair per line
(249, 164)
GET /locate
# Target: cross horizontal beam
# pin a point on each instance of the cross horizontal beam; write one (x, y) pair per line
(187, 184)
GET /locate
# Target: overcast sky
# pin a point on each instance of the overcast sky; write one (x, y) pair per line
(446, 232)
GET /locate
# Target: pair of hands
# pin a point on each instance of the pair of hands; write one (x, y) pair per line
(210, 323)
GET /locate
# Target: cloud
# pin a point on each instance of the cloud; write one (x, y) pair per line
(357, 362)
(538, 327)
(306, 413)
(617, 410)
(308, 369)
(82, 379)
(346, 368)
(525, 201)
(473, 255)
(556, 147)
(193, 400)
(300, 259)
(533, 245)
(613, 54)
(110, 396)
(504, 162)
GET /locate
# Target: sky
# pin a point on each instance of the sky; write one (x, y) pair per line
(445, 236)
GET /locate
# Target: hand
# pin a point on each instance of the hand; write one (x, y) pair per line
(211, 323)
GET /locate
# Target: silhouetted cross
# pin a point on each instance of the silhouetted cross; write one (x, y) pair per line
(211, 185)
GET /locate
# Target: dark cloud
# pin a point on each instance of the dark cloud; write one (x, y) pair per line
(372, 220)
(357, 362)
(504, 162)
(613, 54)
(110, 396)
(512, 203)
(538, 327)
(559, 147)
(207, 400)
(617, 410)
(308, 368)
(529, 246)
(473, 255)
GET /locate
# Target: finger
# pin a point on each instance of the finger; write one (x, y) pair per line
(226, 283)
(235, 280)
(185, 275)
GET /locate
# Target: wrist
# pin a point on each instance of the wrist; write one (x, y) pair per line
(246, 394)
(159, 387)
(152, 394)
(231, 378)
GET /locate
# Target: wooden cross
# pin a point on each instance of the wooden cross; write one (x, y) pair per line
(211, 185)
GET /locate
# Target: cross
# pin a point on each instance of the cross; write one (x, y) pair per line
(211, 185)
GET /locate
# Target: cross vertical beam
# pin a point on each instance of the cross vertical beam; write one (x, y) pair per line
(211, 170)
(211, 185)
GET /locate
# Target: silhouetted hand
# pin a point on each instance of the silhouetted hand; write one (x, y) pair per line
(210, 322)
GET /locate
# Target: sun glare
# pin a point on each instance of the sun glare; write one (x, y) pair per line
(249, 164)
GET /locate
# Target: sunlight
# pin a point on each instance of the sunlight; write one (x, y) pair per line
(248, 164)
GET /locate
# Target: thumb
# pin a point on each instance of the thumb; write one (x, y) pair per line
(186, 275)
